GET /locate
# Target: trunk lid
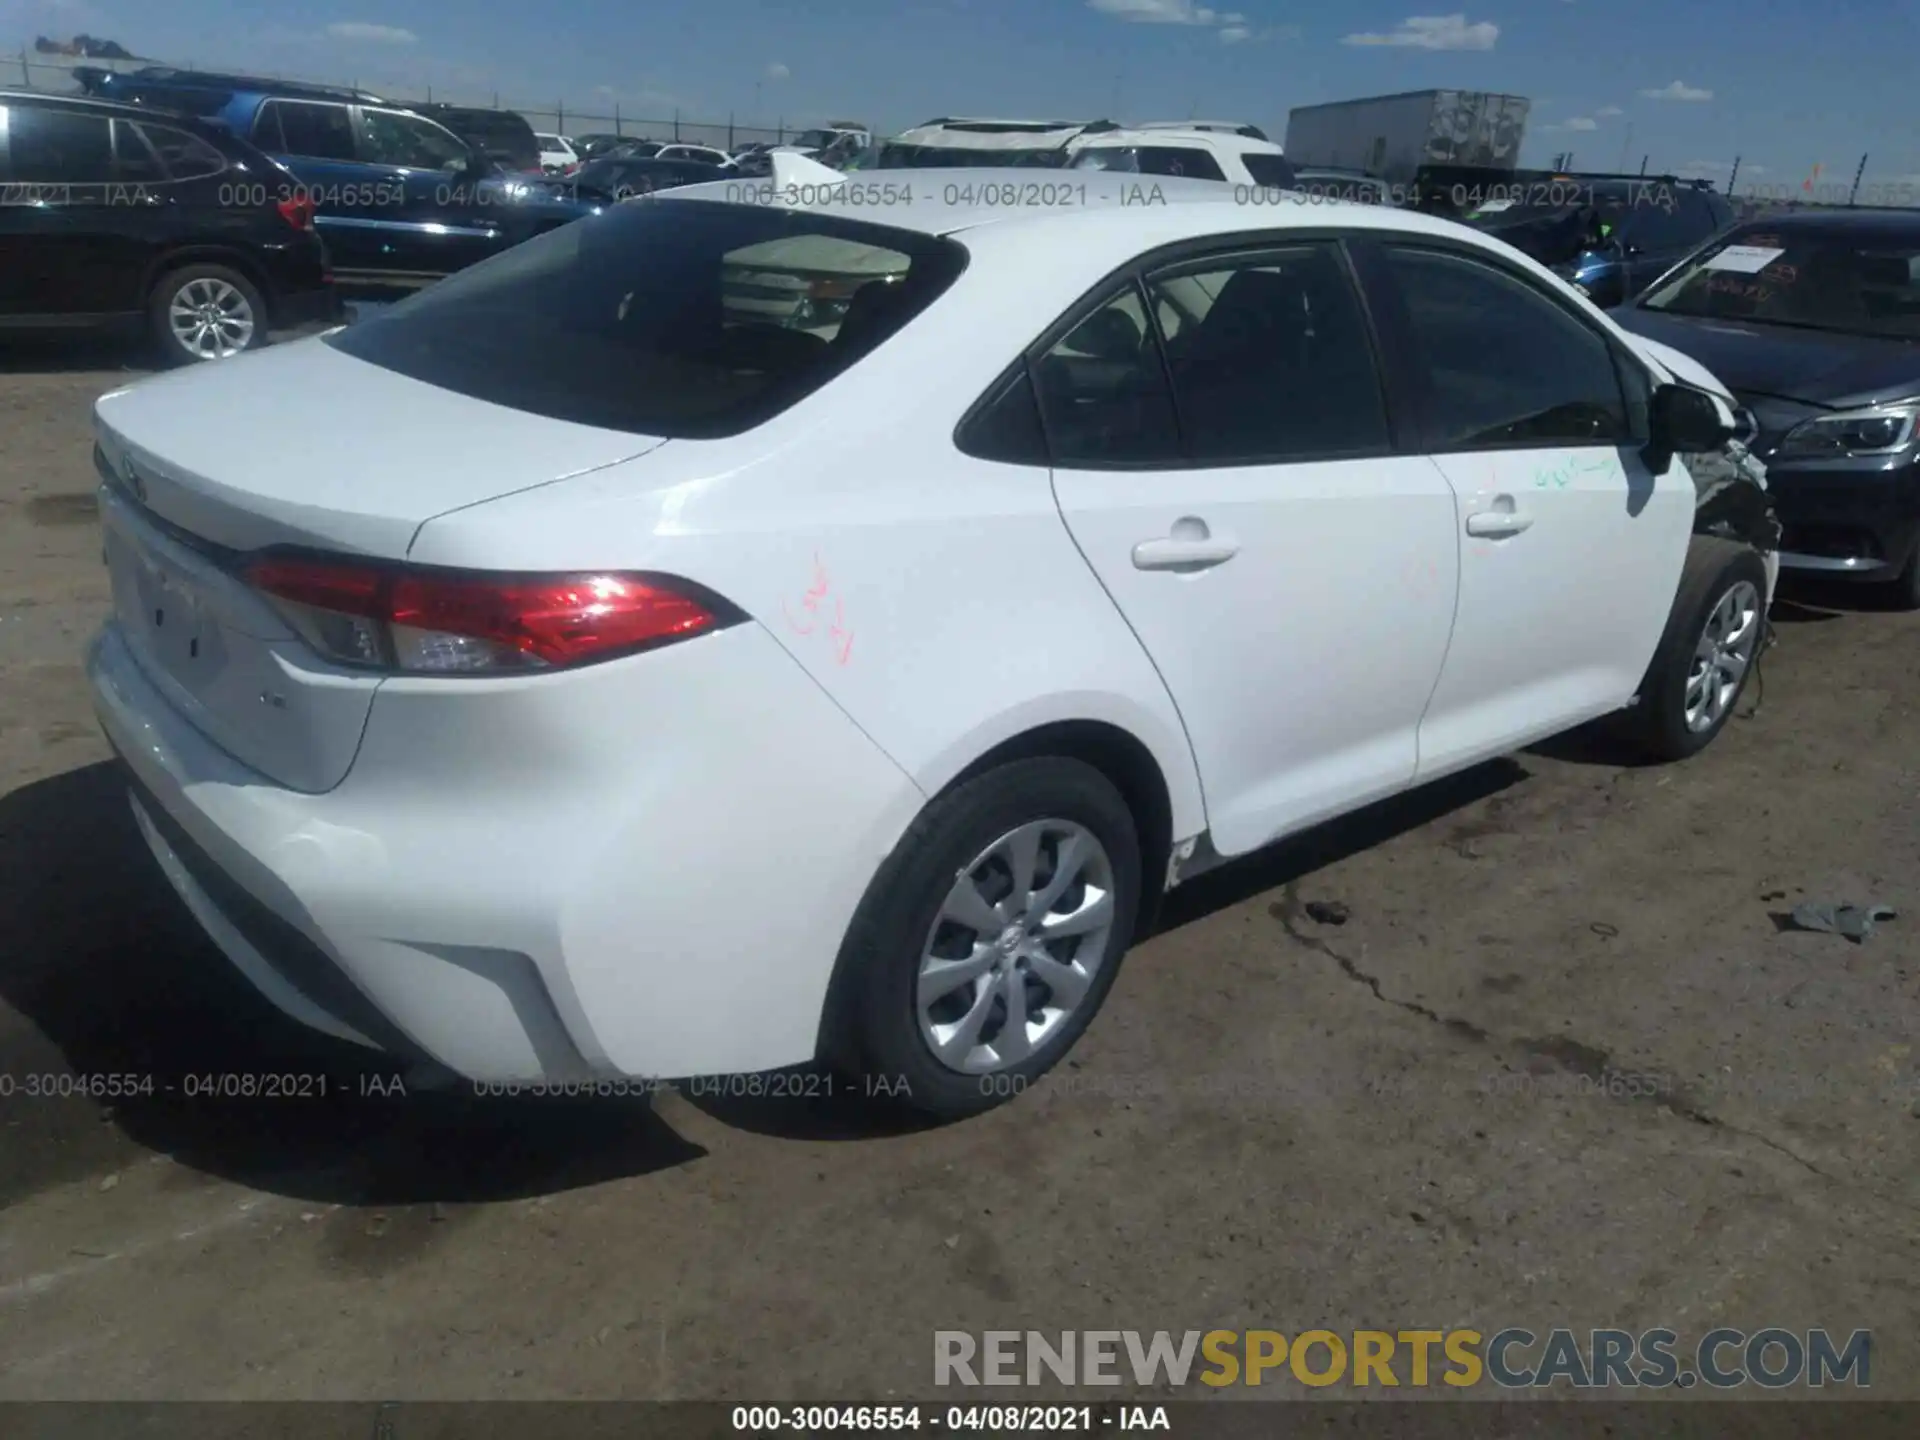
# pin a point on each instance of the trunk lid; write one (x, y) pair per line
(303, 445)
(298, 446)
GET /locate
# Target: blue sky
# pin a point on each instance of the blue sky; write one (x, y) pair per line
(1693, 83)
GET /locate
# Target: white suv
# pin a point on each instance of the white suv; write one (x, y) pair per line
(1193, 149)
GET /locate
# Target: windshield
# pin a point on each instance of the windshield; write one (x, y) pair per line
(814, 139)
(1805, 279)
(681, 318)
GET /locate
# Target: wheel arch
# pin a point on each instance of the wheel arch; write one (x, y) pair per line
(1126, 760)
(207, 254)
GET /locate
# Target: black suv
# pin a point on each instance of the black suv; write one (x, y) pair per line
(110, 213)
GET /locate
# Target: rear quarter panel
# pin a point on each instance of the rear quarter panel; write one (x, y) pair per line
(938, 599)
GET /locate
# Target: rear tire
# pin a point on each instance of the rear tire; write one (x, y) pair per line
(916, 978)
(1707, 653)
(206, 312)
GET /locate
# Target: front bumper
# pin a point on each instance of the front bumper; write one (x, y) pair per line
(1846, 523)
(625, 871)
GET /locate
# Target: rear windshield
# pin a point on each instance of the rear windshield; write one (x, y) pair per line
(682, 318)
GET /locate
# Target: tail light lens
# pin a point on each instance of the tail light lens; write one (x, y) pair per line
(447, 622)
(297, 212)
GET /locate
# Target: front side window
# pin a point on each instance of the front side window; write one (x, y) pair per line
(1271, 360)
(53, 145)
(389, 138)
(304, 128)
(1503, 364)
(642, 320)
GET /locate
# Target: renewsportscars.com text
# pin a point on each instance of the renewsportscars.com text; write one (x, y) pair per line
(1514, 1358)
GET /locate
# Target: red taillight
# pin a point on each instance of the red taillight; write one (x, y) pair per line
(456, 622)
(297, 212)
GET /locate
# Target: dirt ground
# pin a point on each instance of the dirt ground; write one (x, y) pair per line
(1384, 1123)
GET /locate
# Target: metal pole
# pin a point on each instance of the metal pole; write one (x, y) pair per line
(26, 74)
(1734, 176)
(616, 119)
(429, 94)
(1854, 193)
(560, 118)
(676, 122)
(730, 146)
(1643, 163)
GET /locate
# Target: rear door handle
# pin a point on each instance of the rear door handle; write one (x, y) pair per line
(1190, 546)
(1492, 524)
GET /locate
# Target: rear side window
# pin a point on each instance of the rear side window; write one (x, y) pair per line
(55, 145)
(1504, 365)
(683, 319)
(1271, 360)
(299, 127)
(1103, 391)
(1273, 171)
(186, 157)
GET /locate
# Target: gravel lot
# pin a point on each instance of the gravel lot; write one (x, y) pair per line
(1277, 1122)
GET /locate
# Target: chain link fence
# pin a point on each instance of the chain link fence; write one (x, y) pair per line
(53, 73)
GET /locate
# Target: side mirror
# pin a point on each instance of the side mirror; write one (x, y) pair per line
(1686, 421)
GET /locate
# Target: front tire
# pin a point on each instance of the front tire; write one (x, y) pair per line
(1707, 653)
(206, 312)
(991, 936)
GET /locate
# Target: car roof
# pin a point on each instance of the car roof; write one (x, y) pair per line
(1878, 224)
(948, 201)
(91, 102)
(1171, 134)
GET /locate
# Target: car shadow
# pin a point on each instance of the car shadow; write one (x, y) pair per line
(75, 354)
(118, 987)
(1301, 855)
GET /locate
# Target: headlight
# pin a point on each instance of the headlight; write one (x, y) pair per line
(1879, 431)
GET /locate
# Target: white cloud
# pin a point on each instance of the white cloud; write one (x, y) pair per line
(371, 33)
(1581, 122)
(1234, 34)
(1160, 12)
(1678, 90)
(1433, 32)
(778, 71)
(1608, 111)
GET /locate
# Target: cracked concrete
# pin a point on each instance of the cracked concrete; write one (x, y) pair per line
(1557, 1067)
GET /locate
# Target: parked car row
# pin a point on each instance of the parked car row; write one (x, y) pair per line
(1053, 566)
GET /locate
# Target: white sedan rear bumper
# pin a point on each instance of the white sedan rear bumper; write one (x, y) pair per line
(641, 868)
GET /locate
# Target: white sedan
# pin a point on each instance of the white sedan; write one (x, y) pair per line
(631, 687)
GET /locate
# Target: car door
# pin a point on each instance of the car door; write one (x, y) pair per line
(79, 218)
(1225, 460)
(1571, 547)
(314, 139)
(437, 217)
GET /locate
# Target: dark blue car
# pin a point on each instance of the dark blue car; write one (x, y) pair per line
(400, 199)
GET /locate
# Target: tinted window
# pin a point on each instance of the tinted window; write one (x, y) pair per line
(1816, 279)
(389, 138)
(1504, 364)
(1657, 227)
(52, 145)
(186, 157)
(1270, 359)
(1007, 427)
(133, 159)
(295, 127)
(1271, 170)
(1103, 391)
(626, 323)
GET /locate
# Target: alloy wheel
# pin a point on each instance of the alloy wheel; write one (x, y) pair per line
(1722, 657)
(211, 319)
